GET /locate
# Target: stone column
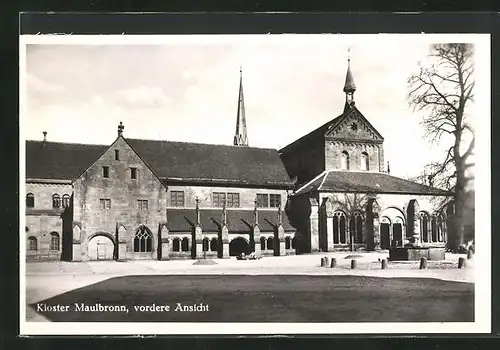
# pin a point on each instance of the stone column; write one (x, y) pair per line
(225, 242)
(77, 245)
(198, 241)
(165, 243)
(256, 238)
(281, 240)
(314, 225)
(376, 232)
(329, 232)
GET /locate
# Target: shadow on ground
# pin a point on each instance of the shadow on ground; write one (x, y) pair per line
(264, 298)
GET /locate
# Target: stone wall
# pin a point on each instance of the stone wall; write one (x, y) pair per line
(43, 219)
(334, 149)
(123, 192)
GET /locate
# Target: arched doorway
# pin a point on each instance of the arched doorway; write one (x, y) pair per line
(239, 245)
(143, 243)
(101, 247)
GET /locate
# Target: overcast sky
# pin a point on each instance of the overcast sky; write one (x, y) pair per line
(188, 91)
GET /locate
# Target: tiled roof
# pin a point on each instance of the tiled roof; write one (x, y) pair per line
(168, 160)
(238, 220)
(59, 161)
(367, 182)
(216, 163)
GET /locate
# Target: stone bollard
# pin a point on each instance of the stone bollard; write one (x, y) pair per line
(469, 254)
(322, 262)
(327, 261)
(384, 264)
(333, 263)
(423, 263)
(353, 264)
(461, 263)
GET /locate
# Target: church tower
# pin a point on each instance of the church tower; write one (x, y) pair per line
(240, 137)
(349, 87)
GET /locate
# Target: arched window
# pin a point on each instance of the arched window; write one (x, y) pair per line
(434, 228)
(176, 245)
(143, 240)
(205, 244)
(54, 241)
(262, 243)
(32, 244)
(270, 243)
(344, 161)
(56, 201)
(356, 227)
(424, 226)
(65, 201)
(213, 244)
(365, 164)
(339, 228)
(294, 243)
(288, 241)
(185, 244)
(30, 200)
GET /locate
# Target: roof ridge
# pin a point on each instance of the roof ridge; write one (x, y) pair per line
(203, 144)
(68, 143)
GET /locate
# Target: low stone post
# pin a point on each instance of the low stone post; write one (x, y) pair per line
(384, 264)
(323, 262)
(469, 254)
(353, 264)
(462, 263)
(333, 263)
(327, 261)
(423, 263)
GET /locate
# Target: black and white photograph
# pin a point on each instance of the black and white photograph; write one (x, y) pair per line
(255, 184)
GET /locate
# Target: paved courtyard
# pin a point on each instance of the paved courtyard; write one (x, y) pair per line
(52, 280)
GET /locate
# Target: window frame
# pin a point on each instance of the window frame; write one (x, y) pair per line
(174, 198)
(275, 196)
(30, 200)
(218, 199)
(234, 202)
(117, 154)
(264, 200)
(30, 240)
(134, 173)
(56, 201)
(104, 203)
(54, 235)
(66, 201)
(105, 172)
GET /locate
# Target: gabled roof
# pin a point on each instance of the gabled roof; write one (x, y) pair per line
(366, 182)
(212, 163)
(59, 161)
(238, 220)
(320, 132)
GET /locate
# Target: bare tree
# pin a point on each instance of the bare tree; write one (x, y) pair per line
(443, 90)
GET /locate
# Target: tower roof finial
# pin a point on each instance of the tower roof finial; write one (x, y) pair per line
(349, 86)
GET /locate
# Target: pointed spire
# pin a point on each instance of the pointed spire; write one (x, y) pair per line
(240, 138)
(349, 86)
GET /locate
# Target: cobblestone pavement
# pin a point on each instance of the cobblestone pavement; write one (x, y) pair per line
(47, 279)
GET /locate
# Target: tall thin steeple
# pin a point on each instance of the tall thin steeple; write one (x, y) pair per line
(349, 86)
(240, 137)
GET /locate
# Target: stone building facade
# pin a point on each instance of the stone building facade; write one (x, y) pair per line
(146, 199)
(346, 200)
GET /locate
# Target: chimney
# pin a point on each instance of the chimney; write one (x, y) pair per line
(388, 168)
(45, 136)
